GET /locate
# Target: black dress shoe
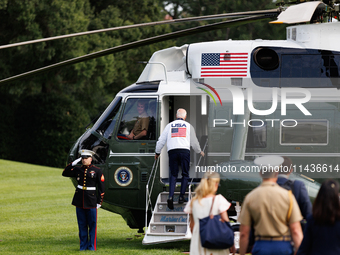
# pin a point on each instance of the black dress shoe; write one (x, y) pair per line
(181, 200)
(170, 203)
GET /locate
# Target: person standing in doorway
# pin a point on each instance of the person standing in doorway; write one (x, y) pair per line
(179, 135)
(88, 197)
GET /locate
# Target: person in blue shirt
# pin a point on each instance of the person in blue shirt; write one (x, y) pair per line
(297, 187)
(322, 232)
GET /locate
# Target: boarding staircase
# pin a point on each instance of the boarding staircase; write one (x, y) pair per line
(168, 225)
(165, 225)
(171, 225)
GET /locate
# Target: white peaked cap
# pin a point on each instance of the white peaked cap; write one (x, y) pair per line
(269, 162)
(86, 153)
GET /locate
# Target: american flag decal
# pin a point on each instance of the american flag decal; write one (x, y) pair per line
(224, 64)
(178, 132)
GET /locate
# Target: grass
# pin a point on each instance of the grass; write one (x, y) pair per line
(36, 217)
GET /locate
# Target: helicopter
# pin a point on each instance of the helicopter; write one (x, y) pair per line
(245, 99)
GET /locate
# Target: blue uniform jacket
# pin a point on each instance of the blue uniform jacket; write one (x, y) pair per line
(301, 196)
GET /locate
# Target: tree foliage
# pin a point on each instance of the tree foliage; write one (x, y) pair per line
(47, 125)
(43, 115)
(37, 107)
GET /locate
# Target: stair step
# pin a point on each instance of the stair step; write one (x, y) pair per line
(169, 228)
(169, 223)
(165, 196)
(166, 234)
(163, 207)
(170, 217)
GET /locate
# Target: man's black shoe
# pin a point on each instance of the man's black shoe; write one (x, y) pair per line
(170, 203)
(181, 200)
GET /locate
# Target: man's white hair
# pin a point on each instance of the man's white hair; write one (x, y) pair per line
(181, 113)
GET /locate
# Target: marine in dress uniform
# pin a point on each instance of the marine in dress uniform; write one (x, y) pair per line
(88, 197)
(267, 209)
(179, 135)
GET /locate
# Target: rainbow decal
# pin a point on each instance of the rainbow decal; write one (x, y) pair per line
(209, 93)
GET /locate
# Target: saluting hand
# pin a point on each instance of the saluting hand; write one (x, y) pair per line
(76, 161)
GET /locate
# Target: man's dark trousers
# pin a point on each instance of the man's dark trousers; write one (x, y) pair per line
(178, 157)
(87, 223)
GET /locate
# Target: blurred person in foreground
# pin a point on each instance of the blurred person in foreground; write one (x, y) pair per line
(199, 207)
(297, 187)
(274, 213)
(322, 232)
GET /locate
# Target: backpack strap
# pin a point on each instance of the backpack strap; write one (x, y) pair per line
(288, 185)
(292, 182)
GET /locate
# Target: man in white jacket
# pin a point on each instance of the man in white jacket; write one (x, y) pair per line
(179, 135)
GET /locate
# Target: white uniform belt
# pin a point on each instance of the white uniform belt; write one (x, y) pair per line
(86, 188)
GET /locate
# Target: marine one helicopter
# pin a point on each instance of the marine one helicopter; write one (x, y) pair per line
(244, 98)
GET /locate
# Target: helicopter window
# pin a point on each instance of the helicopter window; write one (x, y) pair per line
(289, 67)
(304, 132)
(107, 121)
(139, 120)
(306, 66)
(311, 69)
(257, 134)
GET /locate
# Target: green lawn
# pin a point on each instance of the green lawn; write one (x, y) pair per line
(36, 217)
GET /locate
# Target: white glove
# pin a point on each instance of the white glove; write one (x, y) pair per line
(98, 206)
(76, 161)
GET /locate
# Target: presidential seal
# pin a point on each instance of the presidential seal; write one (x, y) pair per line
(123, 176)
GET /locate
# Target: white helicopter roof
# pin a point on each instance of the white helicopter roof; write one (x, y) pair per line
(199, 59)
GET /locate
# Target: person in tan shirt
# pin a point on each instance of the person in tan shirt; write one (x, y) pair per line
(140, 128)
(267, 208)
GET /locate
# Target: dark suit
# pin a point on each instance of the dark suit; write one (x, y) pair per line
(89, 192)
(320, 239)
(301, 196)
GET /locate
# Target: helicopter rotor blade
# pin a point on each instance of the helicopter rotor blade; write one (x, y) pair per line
(299, 13)
(208, 17)
(143, 42)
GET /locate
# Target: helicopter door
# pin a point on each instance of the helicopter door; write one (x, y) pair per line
(192, 104)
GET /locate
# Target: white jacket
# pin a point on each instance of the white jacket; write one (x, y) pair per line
(178, 134)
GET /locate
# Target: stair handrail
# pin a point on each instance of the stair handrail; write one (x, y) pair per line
(189, 197)
(204, 147)
(199, 161)
(149, 192)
